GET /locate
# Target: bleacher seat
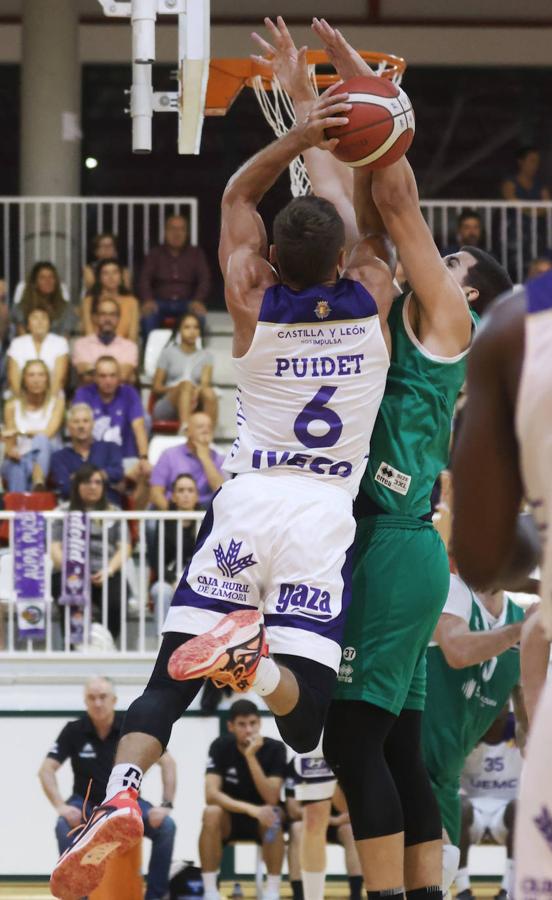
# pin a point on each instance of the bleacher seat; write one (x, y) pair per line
(157, 339)
(219, 322)
(220, 346)
(226, 427)
(160, 442)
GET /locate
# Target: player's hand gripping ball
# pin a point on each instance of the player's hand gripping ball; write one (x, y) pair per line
(381, 123)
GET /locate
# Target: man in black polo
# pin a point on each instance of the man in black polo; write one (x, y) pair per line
(243, 782)
(90, 743)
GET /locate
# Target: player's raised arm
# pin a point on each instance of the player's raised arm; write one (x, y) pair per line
(243, 243)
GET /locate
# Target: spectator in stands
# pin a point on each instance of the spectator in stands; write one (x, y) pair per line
(526, 184)
(469, 232)
(88, 494)
(243, 781)
(195, 457)
(175, 278)
(90, 743)
(539, 266)
(119, 417)
(106, 455)
(184, 498)
(104, 246)
(38, 343)
(33, 422)
(4, 312)
(182, 380)
(103, 341)
(109, 284)
(43, 288)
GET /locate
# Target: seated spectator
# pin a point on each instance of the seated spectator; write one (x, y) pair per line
(38, 343)
(119, 417)
(525, 184)
(469, 232)
(490, 785)
(106, 455)
(43, 288)
(89, 493)
(105, 341)
(243, 781)
(109, 285)
(539, 266)
(33, 422)
(90, 742)
(196, 458)
(104, 246)
(184, 498)
(175, 278)
(182, 379)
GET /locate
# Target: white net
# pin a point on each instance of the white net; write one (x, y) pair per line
(277, 108)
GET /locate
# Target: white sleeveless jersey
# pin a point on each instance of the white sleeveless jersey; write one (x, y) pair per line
(492, 771)
(310, 385)
(534, 424)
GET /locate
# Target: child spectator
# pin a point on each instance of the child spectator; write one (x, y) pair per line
(182, 380)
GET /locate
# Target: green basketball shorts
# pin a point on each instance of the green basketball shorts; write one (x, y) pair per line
(400, 585)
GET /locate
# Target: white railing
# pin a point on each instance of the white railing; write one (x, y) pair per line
(60, 230)
(140, 626)
(515, 232)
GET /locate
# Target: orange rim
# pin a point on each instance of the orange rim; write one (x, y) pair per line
(394, 67)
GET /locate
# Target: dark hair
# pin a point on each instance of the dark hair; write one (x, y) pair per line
(183, 475)
(308, 235)
(98, 300)
(98, 238)
(31, 298)
(242, 708)
(41, 307)
(524, 152)
(174, 338)
(84, 473)
(469, 214)
(487, 276)
(97, 289)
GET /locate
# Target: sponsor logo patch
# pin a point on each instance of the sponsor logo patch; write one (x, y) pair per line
(322, 309)
(228, 562)
(391, 478)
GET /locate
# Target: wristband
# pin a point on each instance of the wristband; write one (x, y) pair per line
(166, 804)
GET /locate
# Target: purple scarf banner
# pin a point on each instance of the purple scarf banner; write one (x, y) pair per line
(75, 572)
(29, 552)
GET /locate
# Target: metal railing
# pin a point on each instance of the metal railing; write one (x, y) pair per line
(61, 229)
(140, 623)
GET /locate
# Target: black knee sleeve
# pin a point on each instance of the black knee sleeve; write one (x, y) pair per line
(164, 699)
(403, 752)
(353, 746)
(302, 727)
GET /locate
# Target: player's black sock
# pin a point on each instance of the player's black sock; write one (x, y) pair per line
(355, 887)
(387, 894)
(297, 889)
(427, 893)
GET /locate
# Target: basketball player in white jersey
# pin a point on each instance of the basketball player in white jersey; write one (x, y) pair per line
(312, 362)
(504, 451)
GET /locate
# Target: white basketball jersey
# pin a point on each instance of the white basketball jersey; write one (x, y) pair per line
(310, 385)
(534, 424)
(492, 771)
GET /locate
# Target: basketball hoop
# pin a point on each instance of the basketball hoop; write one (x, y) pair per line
(229, 76)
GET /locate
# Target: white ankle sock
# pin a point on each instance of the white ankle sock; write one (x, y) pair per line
(272, 889)
(508, 880)
(210, 883)
(313, 885)
(462, 880)
(123, 775)
(267, 677)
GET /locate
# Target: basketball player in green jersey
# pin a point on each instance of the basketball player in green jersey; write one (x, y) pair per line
(401, 574)
(473, 667)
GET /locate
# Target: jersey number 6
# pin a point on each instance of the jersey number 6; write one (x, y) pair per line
(317, 411)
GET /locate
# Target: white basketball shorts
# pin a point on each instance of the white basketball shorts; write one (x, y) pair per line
(488, 818)
(280, 543)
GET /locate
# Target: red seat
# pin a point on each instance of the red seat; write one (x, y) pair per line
(161, 426)
(38, 501)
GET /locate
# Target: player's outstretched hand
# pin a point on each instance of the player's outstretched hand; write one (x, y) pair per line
(348, 63)
(327, 112)
(282, 59)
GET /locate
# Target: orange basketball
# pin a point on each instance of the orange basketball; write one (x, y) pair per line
(381, 123)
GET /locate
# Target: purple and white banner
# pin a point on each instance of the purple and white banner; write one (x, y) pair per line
(29, 551)
(75, 571)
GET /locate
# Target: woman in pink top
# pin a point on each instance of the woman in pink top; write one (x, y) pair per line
(109, 284)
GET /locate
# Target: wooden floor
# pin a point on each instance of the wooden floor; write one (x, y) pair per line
(335, 890)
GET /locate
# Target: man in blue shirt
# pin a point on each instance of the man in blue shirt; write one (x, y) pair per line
(83, 448)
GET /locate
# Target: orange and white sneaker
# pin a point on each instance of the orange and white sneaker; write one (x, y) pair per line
(228, 654)
(112, 829)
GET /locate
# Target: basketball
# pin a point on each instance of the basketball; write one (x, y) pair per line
(381, 123)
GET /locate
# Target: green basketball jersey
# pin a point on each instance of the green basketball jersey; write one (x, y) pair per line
(462, 704)
(410, 441)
